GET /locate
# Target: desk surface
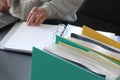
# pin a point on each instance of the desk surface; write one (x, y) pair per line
(14, 66)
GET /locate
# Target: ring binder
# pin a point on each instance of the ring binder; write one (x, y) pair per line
(46, 66)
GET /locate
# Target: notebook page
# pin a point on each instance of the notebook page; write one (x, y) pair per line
(26, 37)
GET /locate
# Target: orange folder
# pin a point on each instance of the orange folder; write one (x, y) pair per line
(100, 37)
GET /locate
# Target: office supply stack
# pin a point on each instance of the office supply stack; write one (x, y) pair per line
(89, 55)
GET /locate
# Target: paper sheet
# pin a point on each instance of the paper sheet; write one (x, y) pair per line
(25, 37)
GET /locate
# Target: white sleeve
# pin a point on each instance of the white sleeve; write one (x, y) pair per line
(60, 8)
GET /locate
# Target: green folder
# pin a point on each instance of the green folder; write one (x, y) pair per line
(47, 66)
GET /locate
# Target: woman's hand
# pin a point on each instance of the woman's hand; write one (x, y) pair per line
(4, 5)
(37, 16)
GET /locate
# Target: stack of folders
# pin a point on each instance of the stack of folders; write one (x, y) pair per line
(77, 57)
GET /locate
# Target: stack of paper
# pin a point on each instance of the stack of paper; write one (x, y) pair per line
(98, 56)
(96, 46)
(80, 54)
(102, 42)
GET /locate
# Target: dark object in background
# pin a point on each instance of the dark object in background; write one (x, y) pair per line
(7, 19)
(100, 15)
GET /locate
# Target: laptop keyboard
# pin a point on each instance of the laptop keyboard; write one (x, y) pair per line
(6, 19)
(1, 14)
(1, 23)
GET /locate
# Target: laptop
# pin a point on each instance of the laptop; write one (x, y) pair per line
(7, 19)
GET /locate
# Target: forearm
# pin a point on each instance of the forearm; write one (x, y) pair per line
(60, 8)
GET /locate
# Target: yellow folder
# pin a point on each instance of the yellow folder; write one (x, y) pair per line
(100, 37)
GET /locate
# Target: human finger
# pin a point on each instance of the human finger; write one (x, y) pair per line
(38, 18)
(33, 11)
(8, 3)
(31, 19)
(31, 15)
(42, 19)
(44, 16)
(4, 7)
(1, 7)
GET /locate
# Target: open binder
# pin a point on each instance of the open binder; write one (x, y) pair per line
(46, 66)
(58, 62)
